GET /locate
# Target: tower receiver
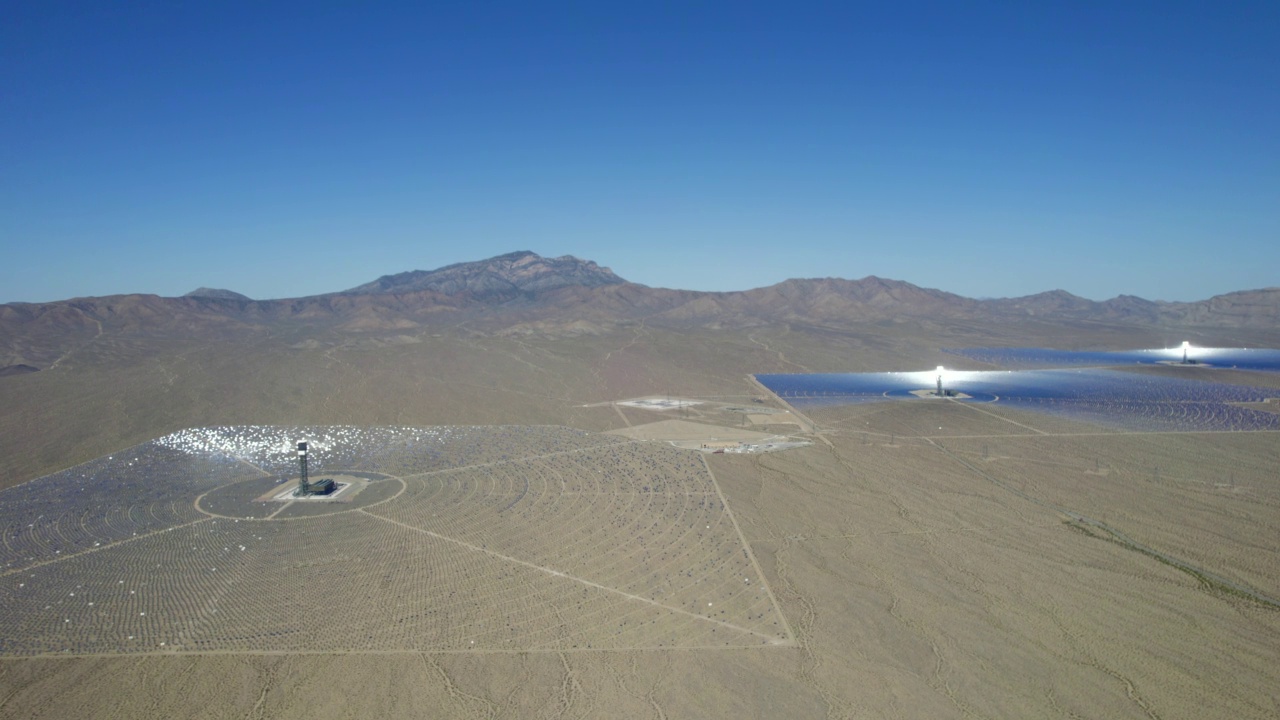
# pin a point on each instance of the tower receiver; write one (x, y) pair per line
(305, 486)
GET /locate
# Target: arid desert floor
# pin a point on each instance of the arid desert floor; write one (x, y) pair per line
(917, 559)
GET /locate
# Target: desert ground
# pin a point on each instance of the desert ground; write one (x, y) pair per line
(920, 559)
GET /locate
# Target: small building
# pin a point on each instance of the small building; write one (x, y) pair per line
(319, 487)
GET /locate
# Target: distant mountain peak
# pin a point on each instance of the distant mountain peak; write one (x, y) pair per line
(217, 294)
(510, 274)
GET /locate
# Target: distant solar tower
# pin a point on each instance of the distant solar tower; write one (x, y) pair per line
(939, 381)
(304, 487)
(1185, 344)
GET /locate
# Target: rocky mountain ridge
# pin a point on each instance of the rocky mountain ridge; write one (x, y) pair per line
(506, 275)
(217, 294)
(525, 294)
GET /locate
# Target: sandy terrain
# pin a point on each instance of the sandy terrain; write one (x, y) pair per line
(927, 559)
(689, 432)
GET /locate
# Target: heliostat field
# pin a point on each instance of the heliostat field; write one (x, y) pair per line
(466, 539)
(1111, 398)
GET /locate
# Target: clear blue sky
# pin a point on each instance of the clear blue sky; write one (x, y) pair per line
(989, 149)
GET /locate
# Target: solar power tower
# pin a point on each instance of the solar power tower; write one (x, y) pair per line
(304, 487)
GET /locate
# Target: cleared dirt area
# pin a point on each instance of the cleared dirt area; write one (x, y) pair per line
(684, 431)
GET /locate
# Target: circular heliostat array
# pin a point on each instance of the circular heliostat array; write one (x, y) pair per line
(440, 539)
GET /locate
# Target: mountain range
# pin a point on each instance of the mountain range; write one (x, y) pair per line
(523, 293)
